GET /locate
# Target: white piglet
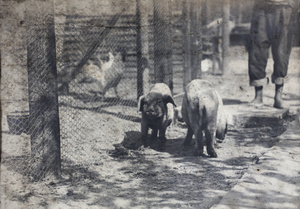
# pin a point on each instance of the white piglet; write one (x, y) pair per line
(202, 111)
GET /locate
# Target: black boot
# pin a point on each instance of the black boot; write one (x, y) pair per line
(278, 102)
(258, 99)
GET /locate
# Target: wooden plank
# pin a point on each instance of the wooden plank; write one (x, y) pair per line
(245, 115)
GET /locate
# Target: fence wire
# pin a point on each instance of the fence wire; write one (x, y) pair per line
(93, 115)
(34, 127)
(97, 103)
(100, 102)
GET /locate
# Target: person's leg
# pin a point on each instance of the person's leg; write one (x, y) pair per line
(278, 102)
(258, 53)
(281, 50)
(258, 98)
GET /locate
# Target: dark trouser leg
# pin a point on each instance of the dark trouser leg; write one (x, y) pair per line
(258, 53)
(281, 50)
(281, 43)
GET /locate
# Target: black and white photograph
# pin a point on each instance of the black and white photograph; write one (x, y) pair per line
(150, 104)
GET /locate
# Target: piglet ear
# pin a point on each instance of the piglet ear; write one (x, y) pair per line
(168, 99)
(141, 103)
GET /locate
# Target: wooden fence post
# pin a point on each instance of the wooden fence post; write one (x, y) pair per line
(142, 46)
(42, 90)
(162, 48)
(169, 76)
(196, 42)
(225, 35)
(187, 75)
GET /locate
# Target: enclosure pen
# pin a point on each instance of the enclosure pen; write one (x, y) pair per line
(141, 104)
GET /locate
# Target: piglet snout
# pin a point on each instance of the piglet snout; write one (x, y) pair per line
(151, 112)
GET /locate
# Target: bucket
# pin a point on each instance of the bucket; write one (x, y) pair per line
(18, 122)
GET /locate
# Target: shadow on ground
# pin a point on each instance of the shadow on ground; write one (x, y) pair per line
(154, 177)
(157, 176)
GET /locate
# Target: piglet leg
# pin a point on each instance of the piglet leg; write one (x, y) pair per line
(162, 134)
(188, 137)
(144, 128)
(199, 139)
(210, 138)
(154, 134)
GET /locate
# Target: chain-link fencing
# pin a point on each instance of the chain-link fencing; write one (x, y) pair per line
(94, 102)
(31, 141)
(97, 103)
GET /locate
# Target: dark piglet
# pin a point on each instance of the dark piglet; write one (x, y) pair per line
(157, 111)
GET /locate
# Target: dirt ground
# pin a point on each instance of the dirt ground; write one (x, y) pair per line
(128, 175)
(104, 164)
(124, 174)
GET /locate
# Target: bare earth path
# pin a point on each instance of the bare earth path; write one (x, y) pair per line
(255, 161)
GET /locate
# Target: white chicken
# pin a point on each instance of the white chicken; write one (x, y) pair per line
(106, 74)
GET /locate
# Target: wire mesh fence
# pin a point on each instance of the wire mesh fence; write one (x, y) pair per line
(99, 104)
(97, 87)
(97, 109)
(33, 123)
